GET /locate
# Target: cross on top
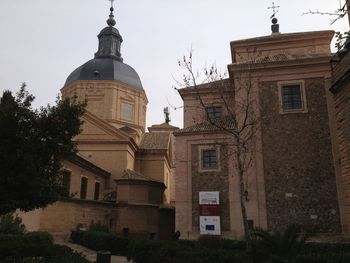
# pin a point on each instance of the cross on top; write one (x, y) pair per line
(273, 7)
(112, 1)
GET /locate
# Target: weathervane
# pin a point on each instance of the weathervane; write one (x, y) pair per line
(273, 7)
(274, 27)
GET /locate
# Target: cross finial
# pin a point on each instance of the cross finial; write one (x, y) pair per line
(274, 9)
(112, 1)
(111, 21)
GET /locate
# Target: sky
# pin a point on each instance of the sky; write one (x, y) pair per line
(43, 41)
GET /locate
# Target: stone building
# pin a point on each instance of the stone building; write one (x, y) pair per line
(291, 177)
(122, 176)
(340, 89)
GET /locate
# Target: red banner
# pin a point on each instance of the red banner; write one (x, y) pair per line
(209, 210)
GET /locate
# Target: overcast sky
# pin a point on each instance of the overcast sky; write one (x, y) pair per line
(43, 41)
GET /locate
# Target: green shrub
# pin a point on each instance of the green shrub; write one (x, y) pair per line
(29, 244)
(141, 250)
(59, 254)
(182, 251)
(77, 236)
(39, 237)
(48, 254)
(239, 245)
(325, 253)
(214, 250)
(279, 246)
(101, 241)
(11, 224)
(98, 227)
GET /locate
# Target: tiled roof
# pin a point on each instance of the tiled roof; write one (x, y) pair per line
(132, 175)
(82, 161)
(155, 141)
(224, 123)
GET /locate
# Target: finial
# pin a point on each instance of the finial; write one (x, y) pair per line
(166, 115)
(110, 21)
(274, 27)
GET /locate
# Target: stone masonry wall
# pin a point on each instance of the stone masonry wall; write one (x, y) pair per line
(210, 181)
(63, 216)
(342, 107)
(298, 163)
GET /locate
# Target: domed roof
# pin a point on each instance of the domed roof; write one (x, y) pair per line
(106, 69)
(108, 62)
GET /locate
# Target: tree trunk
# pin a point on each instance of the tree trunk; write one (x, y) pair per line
(242, 195)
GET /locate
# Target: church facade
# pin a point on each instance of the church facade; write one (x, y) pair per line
(124, 177)
(121, 176)
(293, 173)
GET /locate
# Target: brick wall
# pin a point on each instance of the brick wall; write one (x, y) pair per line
(298, 163)
(210, 181)
(342, 107)
(340, 75)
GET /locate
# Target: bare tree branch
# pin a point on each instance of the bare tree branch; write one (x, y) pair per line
(240, 121)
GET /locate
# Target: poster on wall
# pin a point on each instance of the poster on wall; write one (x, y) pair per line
(209, 213)
(209, 225)
(209, 198)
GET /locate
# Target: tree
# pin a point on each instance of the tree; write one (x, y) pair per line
(33, 144)
(339, 13)
(239, 122)
(11, 224)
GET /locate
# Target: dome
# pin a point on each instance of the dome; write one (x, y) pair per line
(108, 62)
(106, 69)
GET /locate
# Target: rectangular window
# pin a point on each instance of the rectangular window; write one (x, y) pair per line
(209, 159)
(83, 187)
(213, 113)
(97, 191)
(291, 97)
(127, 111)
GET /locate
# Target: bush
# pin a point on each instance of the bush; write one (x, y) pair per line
(59, 254)
(30, 244)
(183, 251)
(98, 227)
(11, 224)
(325, 253)
(39, 237)
(49, 254)
(207, 250)
(141, 250)
(101, 241)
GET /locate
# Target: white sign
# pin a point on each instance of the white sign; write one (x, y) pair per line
(209, 225)
(209, 198)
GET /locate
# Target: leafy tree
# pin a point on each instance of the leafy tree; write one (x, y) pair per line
(33, 144)
(11, 224)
